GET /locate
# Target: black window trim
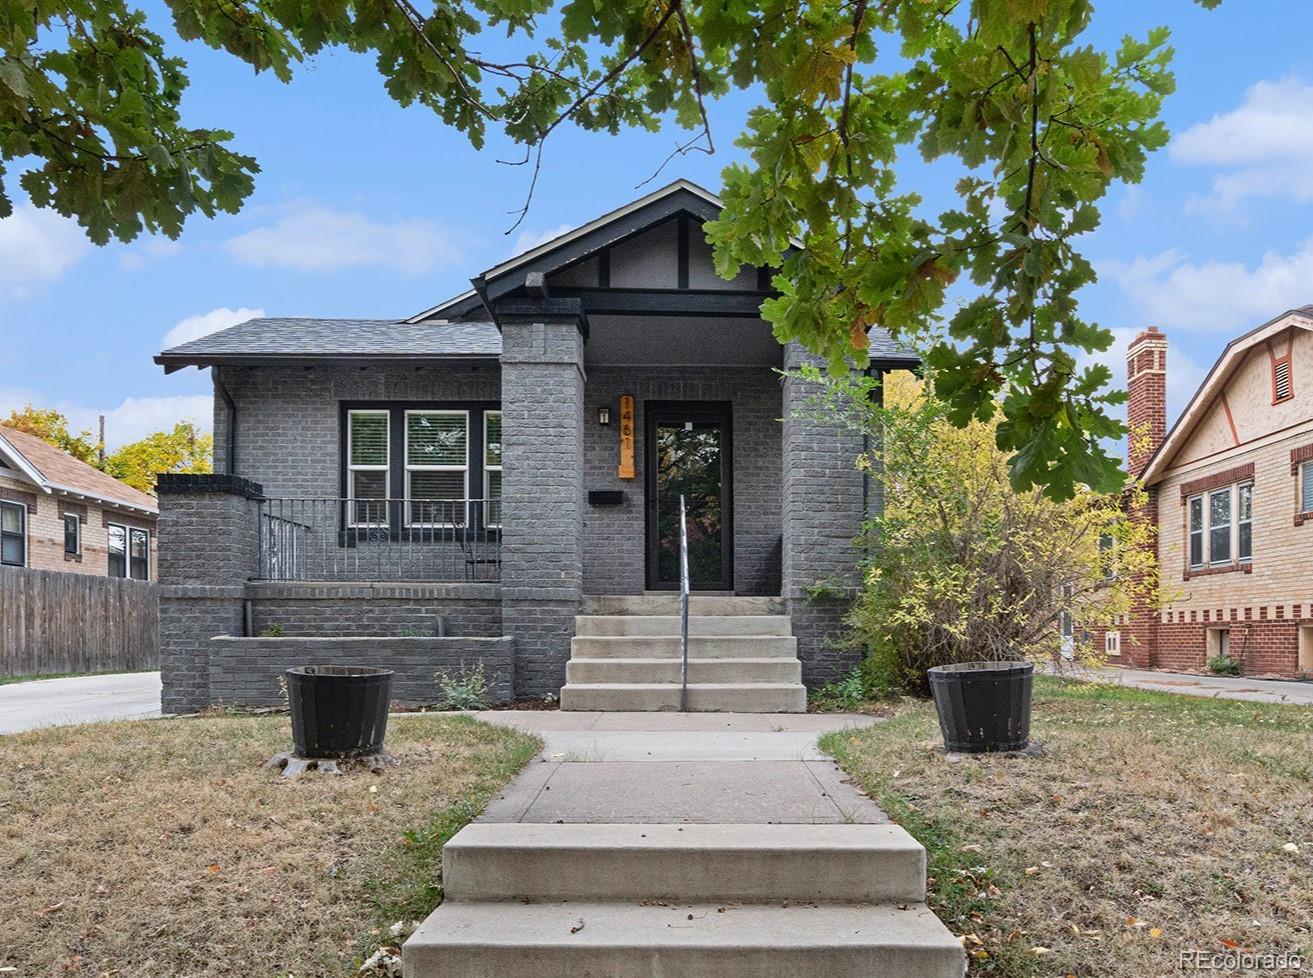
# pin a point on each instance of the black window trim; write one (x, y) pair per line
(474, 451)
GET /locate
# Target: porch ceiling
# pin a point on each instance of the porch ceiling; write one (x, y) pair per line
(665, 341)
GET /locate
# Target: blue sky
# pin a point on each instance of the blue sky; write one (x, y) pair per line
(366, 209)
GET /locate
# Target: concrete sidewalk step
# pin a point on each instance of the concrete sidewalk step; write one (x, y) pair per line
(699, 646)
(700, 940)
(703, 697)
(771, 669)
(668, 604)
(690, 863)
(669, 625)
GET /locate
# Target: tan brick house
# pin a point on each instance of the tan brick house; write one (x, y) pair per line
(57, 513)
(1231, 491)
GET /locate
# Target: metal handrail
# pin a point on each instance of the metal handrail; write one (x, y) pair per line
(683, 604)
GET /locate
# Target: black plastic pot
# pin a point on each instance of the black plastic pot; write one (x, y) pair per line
(338, 711)
(983, 706)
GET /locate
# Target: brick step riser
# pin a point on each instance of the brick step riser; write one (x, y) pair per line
(669, 625)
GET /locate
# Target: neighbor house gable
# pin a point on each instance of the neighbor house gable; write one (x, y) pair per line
(1247, 396)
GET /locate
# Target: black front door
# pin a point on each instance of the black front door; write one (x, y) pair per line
(688, 453)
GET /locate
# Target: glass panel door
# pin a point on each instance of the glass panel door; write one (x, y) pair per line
(688, 454)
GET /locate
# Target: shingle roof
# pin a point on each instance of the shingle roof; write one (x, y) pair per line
(343, 337)
(59, 470)
(884, 349)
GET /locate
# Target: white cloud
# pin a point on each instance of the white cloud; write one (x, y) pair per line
(36, 247)
(311, 238)
(1265, 144)
(529, 239)
(150, 250)
(1170, 291)
(1132, 203)
(134, 418)
(194, 327)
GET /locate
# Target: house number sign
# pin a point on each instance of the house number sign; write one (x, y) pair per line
(626, 469)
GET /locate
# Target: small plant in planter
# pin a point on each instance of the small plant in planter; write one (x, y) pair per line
(970, 578)
(463, 688)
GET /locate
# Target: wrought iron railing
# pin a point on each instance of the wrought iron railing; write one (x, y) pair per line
(380, 539)
(683, 605)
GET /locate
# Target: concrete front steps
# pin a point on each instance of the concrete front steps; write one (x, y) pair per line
(626, 655)
(683, 901)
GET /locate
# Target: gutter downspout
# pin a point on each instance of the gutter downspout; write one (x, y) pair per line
(230, 447)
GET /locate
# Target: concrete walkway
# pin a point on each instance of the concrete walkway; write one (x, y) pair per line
(1214, 687)
(681, 768)
(79, 699)
(702, 845)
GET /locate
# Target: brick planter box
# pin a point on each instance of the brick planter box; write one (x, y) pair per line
(245, 671)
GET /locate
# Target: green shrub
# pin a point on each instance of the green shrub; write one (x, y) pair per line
(1224, 665)
(463, 688)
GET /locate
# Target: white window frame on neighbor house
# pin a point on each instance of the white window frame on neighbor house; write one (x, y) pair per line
(21, 533)
(463, 469)
(491, 517)
(1112, 643)
(353, 467)
(1208, 531)
(76, 526)
(130, 563)
(1306, 487)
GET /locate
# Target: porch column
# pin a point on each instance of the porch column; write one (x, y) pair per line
(542, 489)
(824, 507)
(208, 547)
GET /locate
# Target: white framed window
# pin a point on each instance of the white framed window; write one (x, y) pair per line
(437, 461)
(492, 466)
(1220, 526)
(138, 554)
(13, 534)
(1112, 643)
(1306, 488)
(72, 534)
(369, 460)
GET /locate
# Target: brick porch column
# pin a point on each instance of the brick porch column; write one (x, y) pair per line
(824, 507)
(208, 548)
(542, 488)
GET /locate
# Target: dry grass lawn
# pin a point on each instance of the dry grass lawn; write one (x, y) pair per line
(1155, 824)
(164, 849)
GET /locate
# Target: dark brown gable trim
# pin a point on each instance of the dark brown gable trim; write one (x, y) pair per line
(1240, 473)
(27, 499)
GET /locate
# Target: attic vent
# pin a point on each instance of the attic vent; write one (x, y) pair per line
(1281, 380)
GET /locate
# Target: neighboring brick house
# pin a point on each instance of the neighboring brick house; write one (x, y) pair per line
(60, 514)
(464, 483)
(1231, 491)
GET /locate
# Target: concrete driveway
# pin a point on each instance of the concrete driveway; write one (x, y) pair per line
(80, 699)
(1215, 687)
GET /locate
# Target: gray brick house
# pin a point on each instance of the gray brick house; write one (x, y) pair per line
(489, 479)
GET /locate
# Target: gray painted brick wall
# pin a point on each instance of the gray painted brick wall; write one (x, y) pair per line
(364, 609)
(614, 536)
(288, 418)
(200, 585)
(245, 671)
(542, 490)
(824, 501)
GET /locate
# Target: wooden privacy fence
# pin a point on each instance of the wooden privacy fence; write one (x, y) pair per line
(52, 622)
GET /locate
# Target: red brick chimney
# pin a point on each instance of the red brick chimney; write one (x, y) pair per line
(1146, 405)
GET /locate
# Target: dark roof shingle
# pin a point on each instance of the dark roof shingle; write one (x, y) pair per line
(343, 337)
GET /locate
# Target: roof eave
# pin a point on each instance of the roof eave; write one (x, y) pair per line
(103, 499)
(22, 464)
(173, 362)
